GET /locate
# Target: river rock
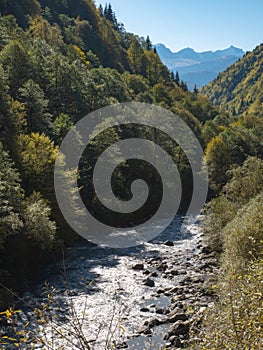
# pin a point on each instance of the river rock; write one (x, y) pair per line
(149, 282)
(145, 329)
(174, 316)
(154, 274)
(147, 326)
(144, 309)
(177, 329)
(169, 243)
(152, 322)
(161, 311)
(138, 267)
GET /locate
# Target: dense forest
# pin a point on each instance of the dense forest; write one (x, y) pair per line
(59, 61)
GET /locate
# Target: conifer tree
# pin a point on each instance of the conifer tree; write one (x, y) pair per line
(196, 89)
(177, 78)
(149, 45)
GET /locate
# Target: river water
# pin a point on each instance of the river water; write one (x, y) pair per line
(98, 293)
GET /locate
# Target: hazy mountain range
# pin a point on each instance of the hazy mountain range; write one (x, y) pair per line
(198, 68)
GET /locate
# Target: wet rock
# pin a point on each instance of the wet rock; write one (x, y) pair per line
(160, 291)
(149, 282)
(144, 309)
(162, 267)
(138, 267)
(175, 299)
(152, 322)
(144, 330)
(174, 316)
(154, 274)
(174, 272)
(161, 311)
(177, 329)
(169, 243)
(168, 345)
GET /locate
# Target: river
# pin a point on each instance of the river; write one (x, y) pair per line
(107, 296)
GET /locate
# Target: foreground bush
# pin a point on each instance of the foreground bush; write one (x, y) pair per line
(236, 321)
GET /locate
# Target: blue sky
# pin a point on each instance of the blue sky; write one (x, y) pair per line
(200, 24)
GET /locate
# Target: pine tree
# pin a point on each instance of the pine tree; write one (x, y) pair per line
(100, 10)
(36, 105)
(149, 45)
(177, 78)
(16, 63)
(110, 15)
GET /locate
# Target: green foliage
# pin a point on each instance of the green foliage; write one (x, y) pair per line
(137, 57)
(37, 155)
(21, 9)
(41, 28)
(243, 236)
(244, 184)
(16, 63)
(246, 181)
(230, 149)
(33, 99)
(209, 131)
(37, 224)
(236, 320)
(219, 212)
(11, 195)
(62, 126)
(32, 214)
(234, 228)
(218, 160)
(239, 88)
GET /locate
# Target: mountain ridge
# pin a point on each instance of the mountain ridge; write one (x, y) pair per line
(198, 68)
(201, 56)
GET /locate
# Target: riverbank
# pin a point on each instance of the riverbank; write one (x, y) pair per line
(193, 271)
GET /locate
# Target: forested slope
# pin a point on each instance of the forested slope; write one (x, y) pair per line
(234, 219)
(239, 88)
(60, 60)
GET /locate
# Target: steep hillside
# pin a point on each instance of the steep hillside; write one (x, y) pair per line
(239, 89)
(59, 61)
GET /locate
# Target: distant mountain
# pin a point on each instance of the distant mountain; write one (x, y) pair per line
(198, 68)
(239, 89)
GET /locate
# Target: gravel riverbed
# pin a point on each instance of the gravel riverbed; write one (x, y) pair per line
(147, 297)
